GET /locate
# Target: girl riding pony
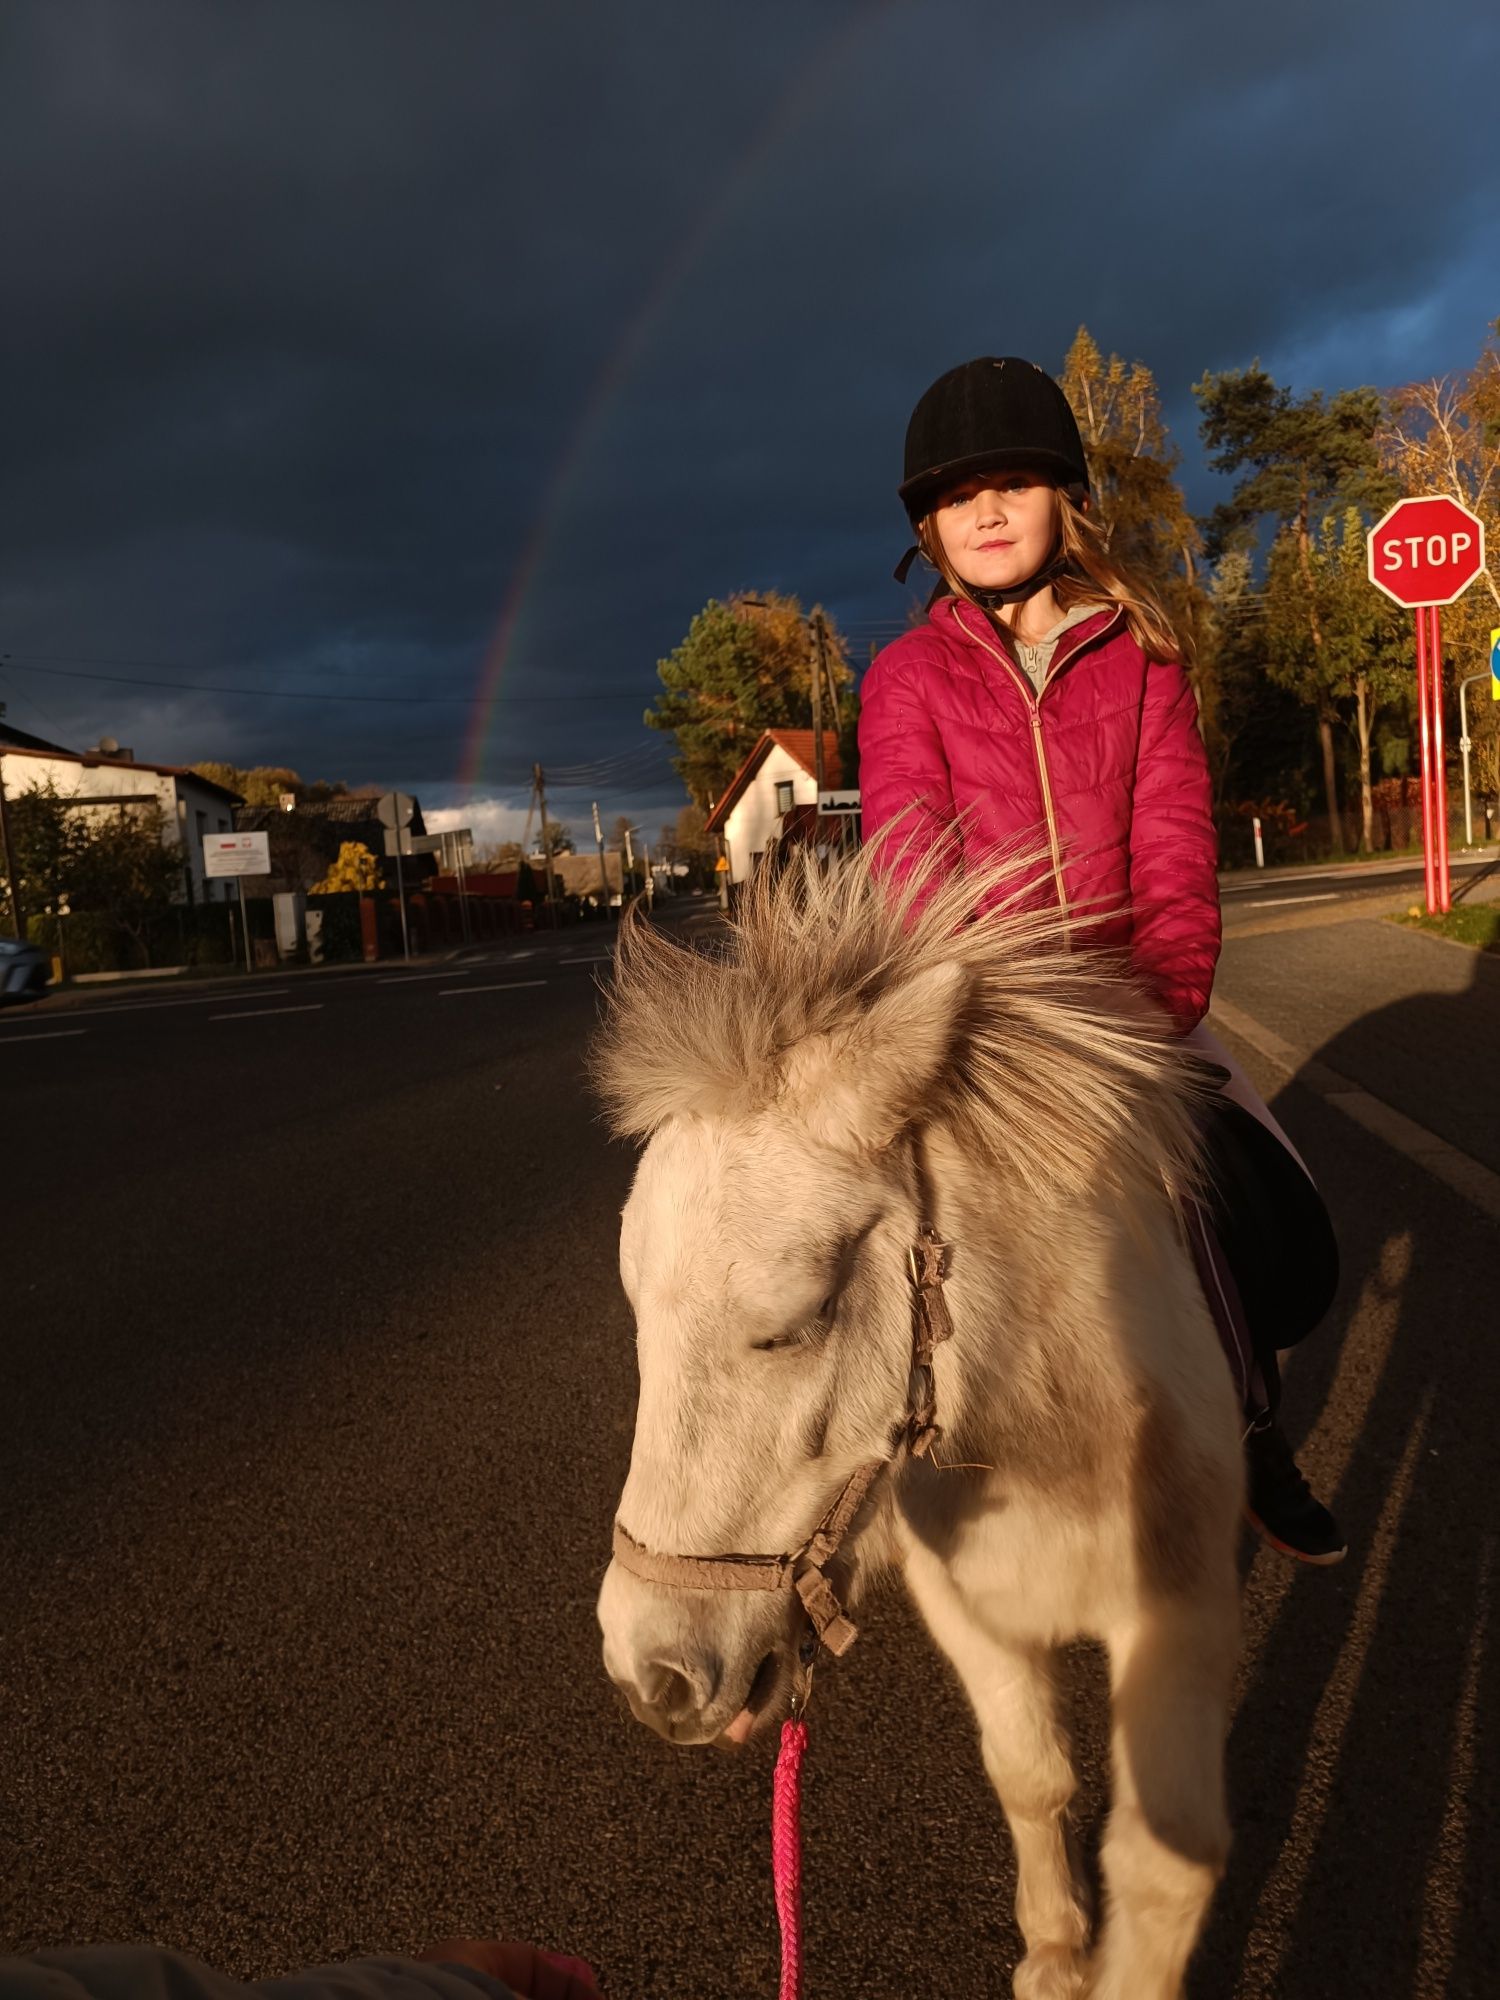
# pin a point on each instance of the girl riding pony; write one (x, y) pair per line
(1043, 704)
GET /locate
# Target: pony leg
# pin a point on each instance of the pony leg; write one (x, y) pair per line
(1028, 1758)
(1168, 1833)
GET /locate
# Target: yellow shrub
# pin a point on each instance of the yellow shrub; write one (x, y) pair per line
(356, 868)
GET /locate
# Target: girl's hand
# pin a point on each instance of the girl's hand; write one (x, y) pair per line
(530, 1974)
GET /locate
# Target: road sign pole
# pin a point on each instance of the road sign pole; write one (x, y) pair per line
(1425, 737)
(401, 895)
(1424, 552)
(244, 924)
(1465, 745)
(1439, 760)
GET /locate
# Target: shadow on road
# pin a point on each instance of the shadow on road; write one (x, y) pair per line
(1363, 1757)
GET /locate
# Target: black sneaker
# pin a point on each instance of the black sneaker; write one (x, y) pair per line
(1281, 1506)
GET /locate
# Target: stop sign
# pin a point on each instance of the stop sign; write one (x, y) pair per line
(1426, 551)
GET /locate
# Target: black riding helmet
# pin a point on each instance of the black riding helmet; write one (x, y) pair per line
(994, 413)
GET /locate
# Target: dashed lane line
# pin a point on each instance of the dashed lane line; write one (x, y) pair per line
(261, 1013)
(605, 958)
(153, 1006)
(1458, 1170)
(411, 978)
(1281, 902)
(47, 1035)
(508, 986)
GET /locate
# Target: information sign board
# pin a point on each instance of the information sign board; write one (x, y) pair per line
(236, 854)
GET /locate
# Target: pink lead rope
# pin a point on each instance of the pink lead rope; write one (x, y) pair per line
(786, 1853)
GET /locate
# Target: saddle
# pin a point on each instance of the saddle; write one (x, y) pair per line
(1272, 1226)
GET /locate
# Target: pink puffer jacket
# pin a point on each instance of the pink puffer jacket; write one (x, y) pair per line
(1105, 771)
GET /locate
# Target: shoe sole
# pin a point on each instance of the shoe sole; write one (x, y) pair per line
(1292, 1554)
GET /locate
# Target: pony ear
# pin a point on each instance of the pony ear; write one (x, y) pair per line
(857, 1087)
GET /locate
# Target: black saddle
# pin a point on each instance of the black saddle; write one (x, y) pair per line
(1272, 1225)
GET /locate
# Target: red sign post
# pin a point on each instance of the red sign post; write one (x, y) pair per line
(1424, 553)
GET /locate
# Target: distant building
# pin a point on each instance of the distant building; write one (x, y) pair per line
(773, 794)
(578, 874)
(109, 778)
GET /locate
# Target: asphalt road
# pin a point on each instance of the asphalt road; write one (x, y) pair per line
(317, 1392)
(1247, 890)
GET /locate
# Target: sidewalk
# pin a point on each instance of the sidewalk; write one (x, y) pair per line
(1410, 1018)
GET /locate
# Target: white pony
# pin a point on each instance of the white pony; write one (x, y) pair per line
(859, 1070)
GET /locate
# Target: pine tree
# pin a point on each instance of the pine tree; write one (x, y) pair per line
(1300, 458)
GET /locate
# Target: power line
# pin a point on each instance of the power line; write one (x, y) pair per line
(16, 664)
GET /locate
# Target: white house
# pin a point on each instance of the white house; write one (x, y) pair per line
(110, 777)
(764, 800)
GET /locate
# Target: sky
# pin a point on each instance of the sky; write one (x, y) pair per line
(387, 385)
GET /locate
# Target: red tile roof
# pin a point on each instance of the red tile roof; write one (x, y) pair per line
(797, 743)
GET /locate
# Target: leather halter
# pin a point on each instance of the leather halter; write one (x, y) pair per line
(802, 1569)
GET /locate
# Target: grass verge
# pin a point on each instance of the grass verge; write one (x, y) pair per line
(1474, 924)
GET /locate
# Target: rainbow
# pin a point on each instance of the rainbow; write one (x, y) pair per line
(795, 100)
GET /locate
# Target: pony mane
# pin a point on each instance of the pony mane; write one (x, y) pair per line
(1062, 1073)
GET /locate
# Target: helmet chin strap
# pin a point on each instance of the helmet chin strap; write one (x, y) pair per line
(991, 600)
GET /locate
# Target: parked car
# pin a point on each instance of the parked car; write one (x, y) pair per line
(24, 971)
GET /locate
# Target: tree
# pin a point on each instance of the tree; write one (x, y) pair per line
(744, 667)
(1360, 662)
(356, 868)
(127, 871)
(265, 783)
(47, 839)
(1300, 458)
(1133, 463)
(685, 841)
(501, 857)
(1443, 436)
(561, 838)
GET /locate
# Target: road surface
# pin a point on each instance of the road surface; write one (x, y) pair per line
(318, 1391)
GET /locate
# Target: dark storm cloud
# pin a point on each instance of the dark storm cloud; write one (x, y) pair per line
(308, 302)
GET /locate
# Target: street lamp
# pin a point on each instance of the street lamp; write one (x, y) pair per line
(645, 863)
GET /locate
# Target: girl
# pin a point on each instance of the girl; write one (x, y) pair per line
(1042, 699)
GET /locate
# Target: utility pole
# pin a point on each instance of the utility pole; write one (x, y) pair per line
(541, 793)
(603, 871)
(7, 854)
(820, 647)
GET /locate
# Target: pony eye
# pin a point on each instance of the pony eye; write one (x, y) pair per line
(805, 1336)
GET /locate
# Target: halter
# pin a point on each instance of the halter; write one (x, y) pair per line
(803, 1569)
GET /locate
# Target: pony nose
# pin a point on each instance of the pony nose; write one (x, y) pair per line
(679, 1687)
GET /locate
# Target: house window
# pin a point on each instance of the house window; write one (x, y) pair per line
(784, 796)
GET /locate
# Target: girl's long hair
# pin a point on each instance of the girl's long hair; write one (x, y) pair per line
(1091, 577)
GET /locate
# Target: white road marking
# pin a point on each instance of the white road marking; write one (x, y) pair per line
(260, 1013)
(48, 1035)
(411, 978)
(1281, 902)
(151, 1006)
(605, 958)
(1467, 1176)
(510, 986)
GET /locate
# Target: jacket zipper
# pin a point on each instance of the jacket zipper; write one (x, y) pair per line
(1033, 700)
